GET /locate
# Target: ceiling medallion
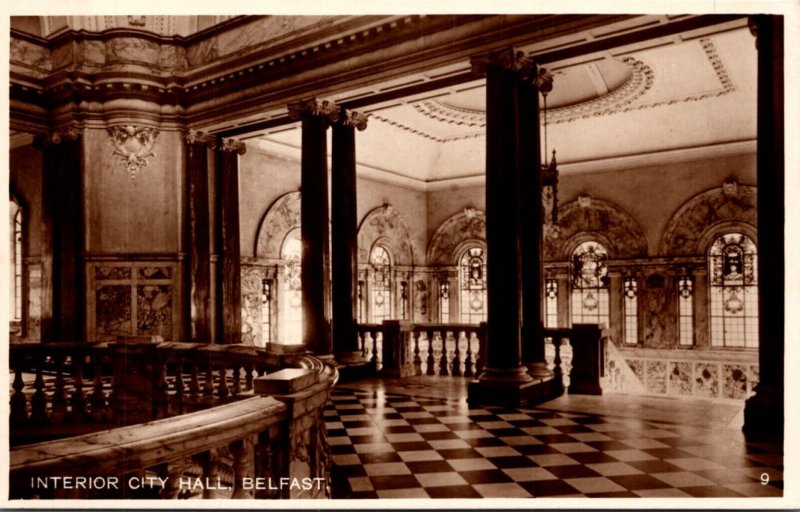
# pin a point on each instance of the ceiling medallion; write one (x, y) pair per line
(133, 145)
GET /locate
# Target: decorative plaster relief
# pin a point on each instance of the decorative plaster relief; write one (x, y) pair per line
(154, 310)
(734, 381)
(133, 145)
(637, 366)
(625, 236)
(30, 55)
(113, 311)
(385, 223)
(680, 378)
(706, 380)
(251, 304)
(131, 50)
(470, 224)
(684, 232)
(281, 218)
(658, 316)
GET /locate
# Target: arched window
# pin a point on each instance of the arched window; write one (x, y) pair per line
(290, 319)
(472, 276)
(589, 284)
(734, 291)
(381, 284)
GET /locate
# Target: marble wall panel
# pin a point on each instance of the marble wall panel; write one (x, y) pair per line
(656, 380)
(680, 378)
(637, 366)
(113, 311)
(33, 329)
(734, 381)
(154, 310)
(706, 380)
(251, 305)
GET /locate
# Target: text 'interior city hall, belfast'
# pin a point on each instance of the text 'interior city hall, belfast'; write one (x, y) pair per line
(396, 256)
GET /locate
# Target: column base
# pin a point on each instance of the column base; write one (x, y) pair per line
(764, 416)
(539, 371)
(512, 388)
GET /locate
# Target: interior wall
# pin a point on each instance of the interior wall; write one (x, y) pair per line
(25, 176)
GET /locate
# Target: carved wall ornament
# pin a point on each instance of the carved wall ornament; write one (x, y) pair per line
(353, 118)
(137, 21)
(387, 225)
(509, 58)
(282, 217)
(234, 146)
(314, 107)
(730, 187)
(584, 200)
(469, 225)
(133, 145)
(68, 133)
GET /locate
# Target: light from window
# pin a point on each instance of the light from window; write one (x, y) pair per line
(734, 291)
(685, 312)
(291, 293)
(472, 270)
(18, 265)
(403, 299)
(362, 314)
(266, 311)
(381, 285)
(551, 303)
(444, 302)
(631, 311)
(589, 284)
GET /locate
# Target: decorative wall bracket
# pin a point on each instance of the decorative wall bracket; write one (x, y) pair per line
(133, 145)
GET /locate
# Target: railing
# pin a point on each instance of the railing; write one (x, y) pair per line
(400, 348)
(62, 389)
(256, 447)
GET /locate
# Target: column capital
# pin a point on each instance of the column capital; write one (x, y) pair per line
(233, 145)
(66, 133)
(353, 118)
(314, 107)
(201, 138)
(508, 58)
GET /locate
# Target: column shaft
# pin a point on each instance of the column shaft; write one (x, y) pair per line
(197, 244)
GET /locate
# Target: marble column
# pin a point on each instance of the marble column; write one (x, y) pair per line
(616, 310)
(504, 375)
(63, 298)
(197, 239)
(229, 290)
(316, 116)
(531, 218)
(344, 233)
(764, 412)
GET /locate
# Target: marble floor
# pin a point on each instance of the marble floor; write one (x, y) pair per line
(418, 438)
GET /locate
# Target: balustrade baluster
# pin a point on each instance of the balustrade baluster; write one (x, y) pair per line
(59, 411)
(444, 359)
(194, 386)
(237, 386)
(565, 357)
(208, 388)
(162, 392)
(179, 387)
(374, 359)
(430, 370)
(248, 377)
(98, 398)
(457, 354)
(19, 406)
(468, 355)
(172, 488)
(78, 399)
(39, 398)
(264, 466)
(417, 361)
(211, 474)
(243, 467)
(222, 387)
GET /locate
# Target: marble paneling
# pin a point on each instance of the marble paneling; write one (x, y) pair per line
(113, 311)
(656, 380)
(706, 380)
(33, 329)
(420, 301)
(124, 50)
(112, 273)
(637, 367)
(680, 378)
(154, 272)
(657, 318)
(30, 54)
(251, 304)
(734, 381)
(753, 381)
(154, 310)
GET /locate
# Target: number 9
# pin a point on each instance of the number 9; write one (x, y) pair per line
(764, 478)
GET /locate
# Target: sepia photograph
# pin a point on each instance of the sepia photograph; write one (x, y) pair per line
(562, 236)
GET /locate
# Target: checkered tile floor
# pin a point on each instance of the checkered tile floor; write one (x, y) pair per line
(389, 445)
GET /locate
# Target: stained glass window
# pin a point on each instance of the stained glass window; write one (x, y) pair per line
(291, 297)
(266, 311)
(589, 284)
(444, 302)
(472, 270)
(685, 311)
(631, 311)
(381, 285)
(551, 303)
(734, 291)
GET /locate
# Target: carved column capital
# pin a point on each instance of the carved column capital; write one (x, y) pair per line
(233, 145)
(67, 133)
(353, 118)
(510, 59)
(201, 138)
(133, 145)
(314, 107)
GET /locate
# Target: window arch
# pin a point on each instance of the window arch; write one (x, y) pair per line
(472, 278)
(290, 298)
(381, 284)
(733, 288)
(589, 281)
